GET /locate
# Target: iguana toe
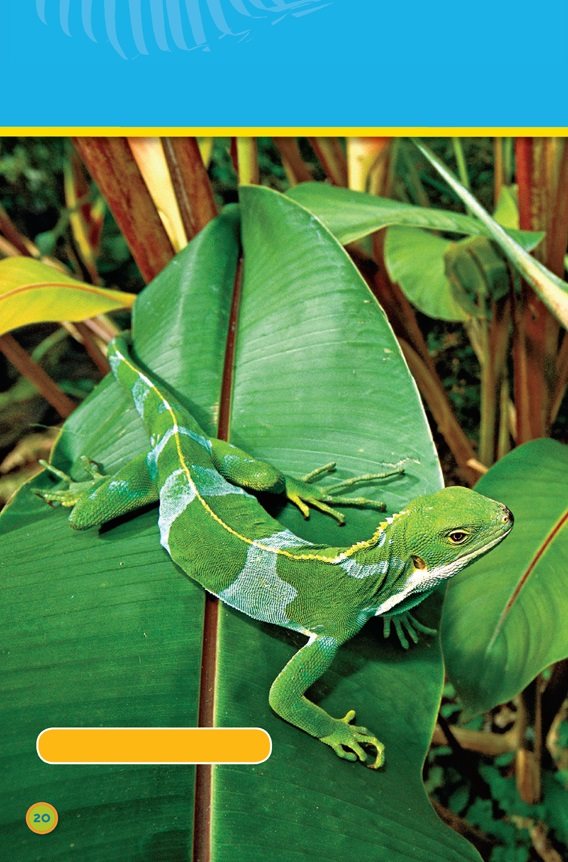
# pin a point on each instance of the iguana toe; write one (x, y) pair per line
(348, 741)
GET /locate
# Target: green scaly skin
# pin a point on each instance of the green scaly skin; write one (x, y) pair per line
(220, 536)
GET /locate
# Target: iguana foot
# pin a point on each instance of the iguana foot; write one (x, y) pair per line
(306, 495)
(406, 624)
(347, 740)
(74, 491)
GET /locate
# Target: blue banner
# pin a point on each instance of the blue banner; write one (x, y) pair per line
(283, 63)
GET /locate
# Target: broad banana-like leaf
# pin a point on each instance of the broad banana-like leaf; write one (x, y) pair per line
(505, 616)
(353, 215)
(33, 292)
(102, 628)
(415, 261)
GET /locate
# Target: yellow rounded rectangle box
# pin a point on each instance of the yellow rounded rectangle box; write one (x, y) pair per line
(179, 745)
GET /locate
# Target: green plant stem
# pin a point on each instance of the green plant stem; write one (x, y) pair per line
(36, 375)
(461, 162)
(247, 161)
(418, 193)
(496, 338)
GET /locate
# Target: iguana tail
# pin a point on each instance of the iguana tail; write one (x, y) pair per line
(158, 410)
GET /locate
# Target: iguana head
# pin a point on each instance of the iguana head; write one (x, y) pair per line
(438, 534)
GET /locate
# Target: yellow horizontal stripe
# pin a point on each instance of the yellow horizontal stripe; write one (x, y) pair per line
(288, 131)
(154, 745)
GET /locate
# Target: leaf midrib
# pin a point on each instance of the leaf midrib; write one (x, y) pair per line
(528, 571)
(203, 803)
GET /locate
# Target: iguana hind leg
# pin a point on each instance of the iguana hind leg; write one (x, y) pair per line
(256, 475)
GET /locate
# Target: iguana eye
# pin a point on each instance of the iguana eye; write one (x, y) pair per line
(457, 537)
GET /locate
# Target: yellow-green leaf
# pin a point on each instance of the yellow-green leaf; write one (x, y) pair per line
(34, 292)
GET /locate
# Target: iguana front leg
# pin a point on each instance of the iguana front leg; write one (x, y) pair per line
(406, 626)
(288, 701)
(102, 498)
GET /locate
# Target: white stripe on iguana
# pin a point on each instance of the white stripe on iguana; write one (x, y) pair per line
(139, 394)
(362, 570)
(258, 590)
(158, 448)
(211, 484)
(175, 496)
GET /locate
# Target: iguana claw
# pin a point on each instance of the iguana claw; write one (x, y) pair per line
(354, 737)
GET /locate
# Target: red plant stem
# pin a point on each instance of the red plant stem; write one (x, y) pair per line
(536, 331)
(191, 183)
(203, 776)
(561, 379)
(435, 397)
(294, 165)
(36, 375)
(13, 235)
(330, 154)
(111, 164)
(403, 320)
(92, 348)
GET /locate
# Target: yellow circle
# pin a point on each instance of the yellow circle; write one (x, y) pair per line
(41, 818)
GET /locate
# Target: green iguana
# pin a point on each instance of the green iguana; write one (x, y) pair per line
(222, 538)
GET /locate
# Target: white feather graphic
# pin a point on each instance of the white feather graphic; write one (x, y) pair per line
(141, 27)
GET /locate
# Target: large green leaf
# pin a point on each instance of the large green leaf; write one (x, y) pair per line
(415, 260)
(422, 263)
(103, 629)
(352, 215)
(505, 615)
(551, 289)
